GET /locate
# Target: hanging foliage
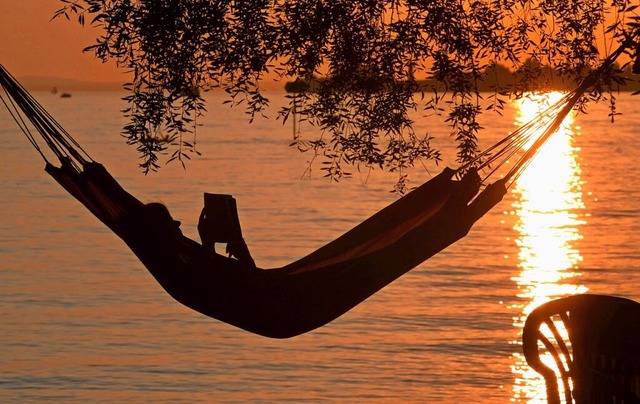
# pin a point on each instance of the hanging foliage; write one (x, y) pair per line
(359, 69)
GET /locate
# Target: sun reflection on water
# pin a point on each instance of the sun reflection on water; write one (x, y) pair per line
(548, 198)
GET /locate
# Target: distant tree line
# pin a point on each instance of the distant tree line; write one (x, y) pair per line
(501, 79)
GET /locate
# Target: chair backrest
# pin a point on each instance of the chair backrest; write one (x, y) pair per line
(594, 343)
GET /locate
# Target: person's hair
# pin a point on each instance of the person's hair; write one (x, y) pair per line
(158, 211)
(159, 214)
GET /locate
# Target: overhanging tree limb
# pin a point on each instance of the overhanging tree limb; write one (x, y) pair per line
(366, 65)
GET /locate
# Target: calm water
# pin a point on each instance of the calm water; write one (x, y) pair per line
(82, 320)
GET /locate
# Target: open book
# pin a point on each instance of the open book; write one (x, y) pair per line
(220, 218)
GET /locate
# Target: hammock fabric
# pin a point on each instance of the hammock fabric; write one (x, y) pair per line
(308, 293)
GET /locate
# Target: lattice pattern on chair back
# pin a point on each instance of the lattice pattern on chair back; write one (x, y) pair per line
(594, 345)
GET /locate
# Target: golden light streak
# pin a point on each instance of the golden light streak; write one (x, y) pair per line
(548, 197)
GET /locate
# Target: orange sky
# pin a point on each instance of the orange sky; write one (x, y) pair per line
(32, 45)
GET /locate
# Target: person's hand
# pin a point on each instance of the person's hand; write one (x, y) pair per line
(205, 232)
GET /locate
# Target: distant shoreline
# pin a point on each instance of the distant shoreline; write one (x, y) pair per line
(63, 85)
(60, 85)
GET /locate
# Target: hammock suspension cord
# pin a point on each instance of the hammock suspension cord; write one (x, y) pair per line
(540, 128)
(17, 117)
(61, 143)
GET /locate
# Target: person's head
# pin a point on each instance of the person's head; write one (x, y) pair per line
(159, 213)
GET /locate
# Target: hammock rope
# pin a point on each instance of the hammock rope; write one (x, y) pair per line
(17, 117)
(22, 104)
(541, 127)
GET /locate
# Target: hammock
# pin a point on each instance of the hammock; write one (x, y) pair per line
(313, 291)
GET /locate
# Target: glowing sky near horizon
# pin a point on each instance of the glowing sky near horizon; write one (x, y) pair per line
(31, 44)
